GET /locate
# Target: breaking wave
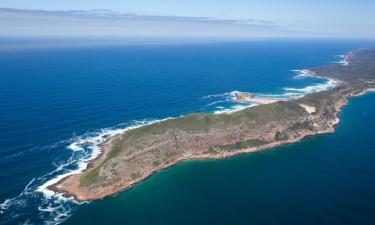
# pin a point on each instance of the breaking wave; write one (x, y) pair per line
(234, 108)
(53, 207)
(300, 92)
(342, 60)
(301, 74)
(226, 102)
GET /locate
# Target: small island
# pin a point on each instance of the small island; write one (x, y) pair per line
(136, 154)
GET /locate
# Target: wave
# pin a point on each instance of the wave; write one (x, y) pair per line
(53, 207)
(300, 74)
(343, 60)
(224, 103)
(37, 148)
(216, 102)
(234, 108)
(92, 142)
(286, 93)
(289, 93)
(223, 97)
(329, 84)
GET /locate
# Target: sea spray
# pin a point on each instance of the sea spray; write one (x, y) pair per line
(225, 103)
(91, 142)
(53, 207)
(57, 208)
(343, 59)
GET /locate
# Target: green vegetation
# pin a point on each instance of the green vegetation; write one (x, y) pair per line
(89, 177)
(156, 163)
(145, 148)
(317, 100)
(92, 175)
(136, 175)
(116, 149)
(199, 122)
(203, 123)
(281, 135)
(361, 66)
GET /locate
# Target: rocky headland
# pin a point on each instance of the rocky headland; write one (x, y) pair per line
(136, 154)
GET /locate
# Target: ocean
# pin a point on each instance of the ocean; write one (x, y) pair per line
(52, 99)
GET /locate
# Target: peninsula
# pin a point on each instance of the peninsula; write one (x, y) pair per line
(136, 154)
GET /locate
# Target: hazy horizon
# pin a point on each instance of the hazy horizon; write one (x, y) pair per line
(42, 24)
(189, 21)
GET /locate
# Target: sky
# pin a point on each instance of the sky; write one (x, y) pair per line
(194, 18)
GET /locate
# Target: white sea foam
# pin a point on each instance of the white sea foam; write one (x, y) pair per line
(329, 84)
(300, 74)
(223, 97)
(343, 60)
(18, 201)
(287, 93)
(91, 141)
(5, 205)
(232, 109)
(282, 96)
(225, 103)
(53, 207)
(216, 95)
(56, 208)
(216, 102)
(56, 203)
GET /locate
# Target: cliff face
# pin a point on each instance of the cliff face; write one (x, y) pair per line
(136, 154)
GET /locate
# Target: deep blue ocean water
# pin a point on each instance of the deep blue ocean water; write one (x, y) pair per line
(52, 98)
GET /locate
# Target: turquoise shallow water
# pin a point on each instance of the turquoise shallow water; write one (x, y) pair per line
(55, 98)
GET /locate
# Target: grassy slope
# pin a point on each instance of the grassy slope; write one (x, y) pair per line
(203, 122)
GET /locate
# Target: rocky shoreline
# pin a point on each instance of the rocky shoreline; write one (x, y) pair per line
(124, 186)
(133, 156)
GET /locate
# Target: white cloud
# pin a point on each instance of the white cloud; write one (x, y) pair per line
(16, 22)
